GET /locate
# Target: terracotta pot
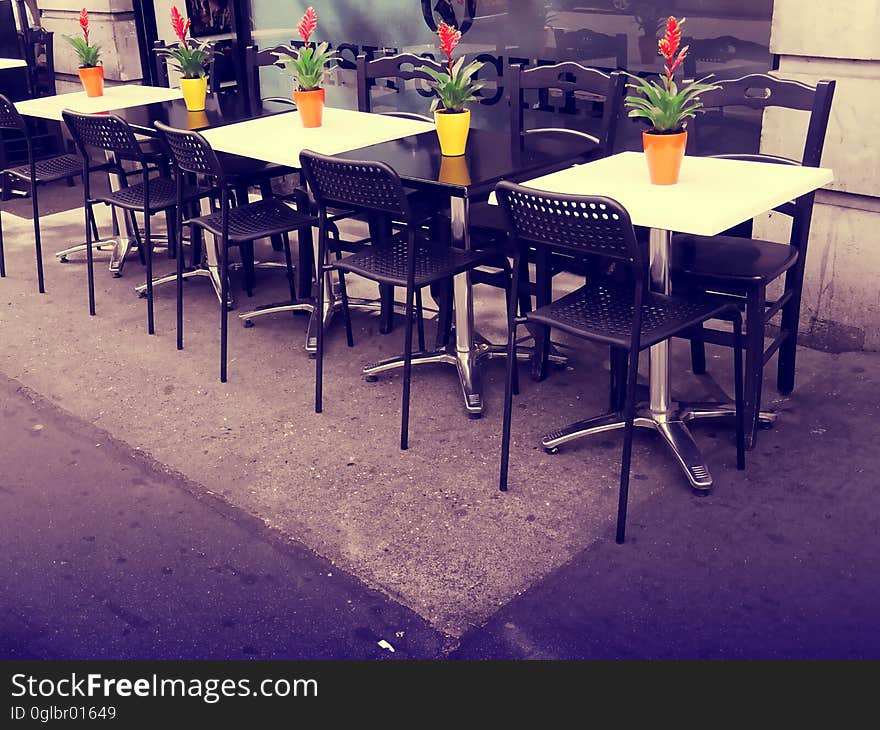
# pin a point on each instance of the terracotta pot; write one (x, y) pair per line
(311, 107)
(664, 153)
(195, 92)
(92, 78)
(452, 129)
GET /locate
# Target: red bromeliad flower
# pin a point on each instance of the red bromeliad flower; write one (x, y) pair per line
(668, 45)
(84, 23)
(180, 26)
(308, 24)
(449, 39)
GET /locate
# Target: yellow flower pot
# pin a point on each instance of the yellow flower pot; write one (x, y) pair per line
(194, 93)
(452, 129)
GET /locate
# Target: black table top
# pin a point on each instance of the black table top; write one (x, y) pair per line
(220, 110)
(490, 156)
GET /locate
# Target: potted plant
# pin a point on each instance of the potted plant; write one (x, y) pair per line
(667, 107)
(90, 73)
(191, 61)
(649, 16)
(454, 89)
(307, 66)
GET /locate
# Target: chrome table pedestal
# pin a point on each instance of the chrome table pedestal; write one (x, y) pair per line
(467, 348)
(660, 413)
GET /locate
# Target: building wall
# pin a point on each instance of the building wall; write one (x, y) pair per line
(836, 40)
(112, 27)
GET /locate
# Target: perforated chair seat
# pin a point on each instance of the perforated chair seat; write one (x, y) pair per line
(256, 220)
(388, 264)
(50, 169)
(163, 195)
(604, 312)
(730, 258)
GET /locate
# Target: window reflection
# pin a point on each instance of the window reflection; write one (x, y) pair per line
(728, 38)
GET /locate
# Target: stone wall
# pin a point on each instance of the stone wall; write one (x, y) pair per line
(826, 39)
(112, 27)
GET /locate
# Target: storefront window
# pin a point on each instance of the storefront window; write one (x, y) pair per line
(728, 38)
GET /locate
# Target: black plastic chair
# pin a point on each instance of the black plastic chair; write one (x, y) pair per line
(35, 173)
(402, 260)
(239, 225)
(585, 44)
(619, 311)
(112, 134)
(738, 266)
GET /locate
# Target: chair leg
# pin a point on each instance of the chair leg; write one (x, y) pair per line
(791, 314)
(346, 310)
(319, 352)
(407, 370)
(2, 254)
(224, 310)
(136, 232)
(91, 212)
(618, 359)
(629, 414)
(510, 387)
(37, 240)
(698, 353)
(169, 225)
(246, 251)
(179, 256)
(420, 320)
(288, 262)
(90, 263)
(738, 392)
(754, 368)
(148, 253)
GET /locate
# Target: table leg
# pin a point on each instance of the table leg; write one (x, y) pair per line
(462, 352)
(660, 413)
(121, 244)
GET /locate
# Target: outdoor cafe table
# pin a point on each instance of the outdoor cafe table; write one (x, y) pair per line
(412, 149)
(711, 196)
(142, 107)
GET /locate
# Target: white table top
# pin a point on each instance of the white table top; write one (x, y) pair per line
(115, 97)
(280, 138)
(12, 63)
(711, 196)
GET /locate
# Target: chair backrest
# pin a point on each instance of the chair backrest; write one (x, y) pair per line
(190, 151)
(579, 225)
(38, 50)
(569, 77)
(762, 91)
(365, 185)
(402, 67)
(254, 60)
(106, 132)
(10, 118)
(588, 45)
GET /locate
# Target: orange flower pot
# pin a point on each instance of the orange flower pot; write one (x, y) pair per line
(92, 78)
(664, 153)
(311, 107)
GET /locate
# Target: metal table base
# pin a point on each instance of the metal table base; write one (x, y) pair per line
(661, 413)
